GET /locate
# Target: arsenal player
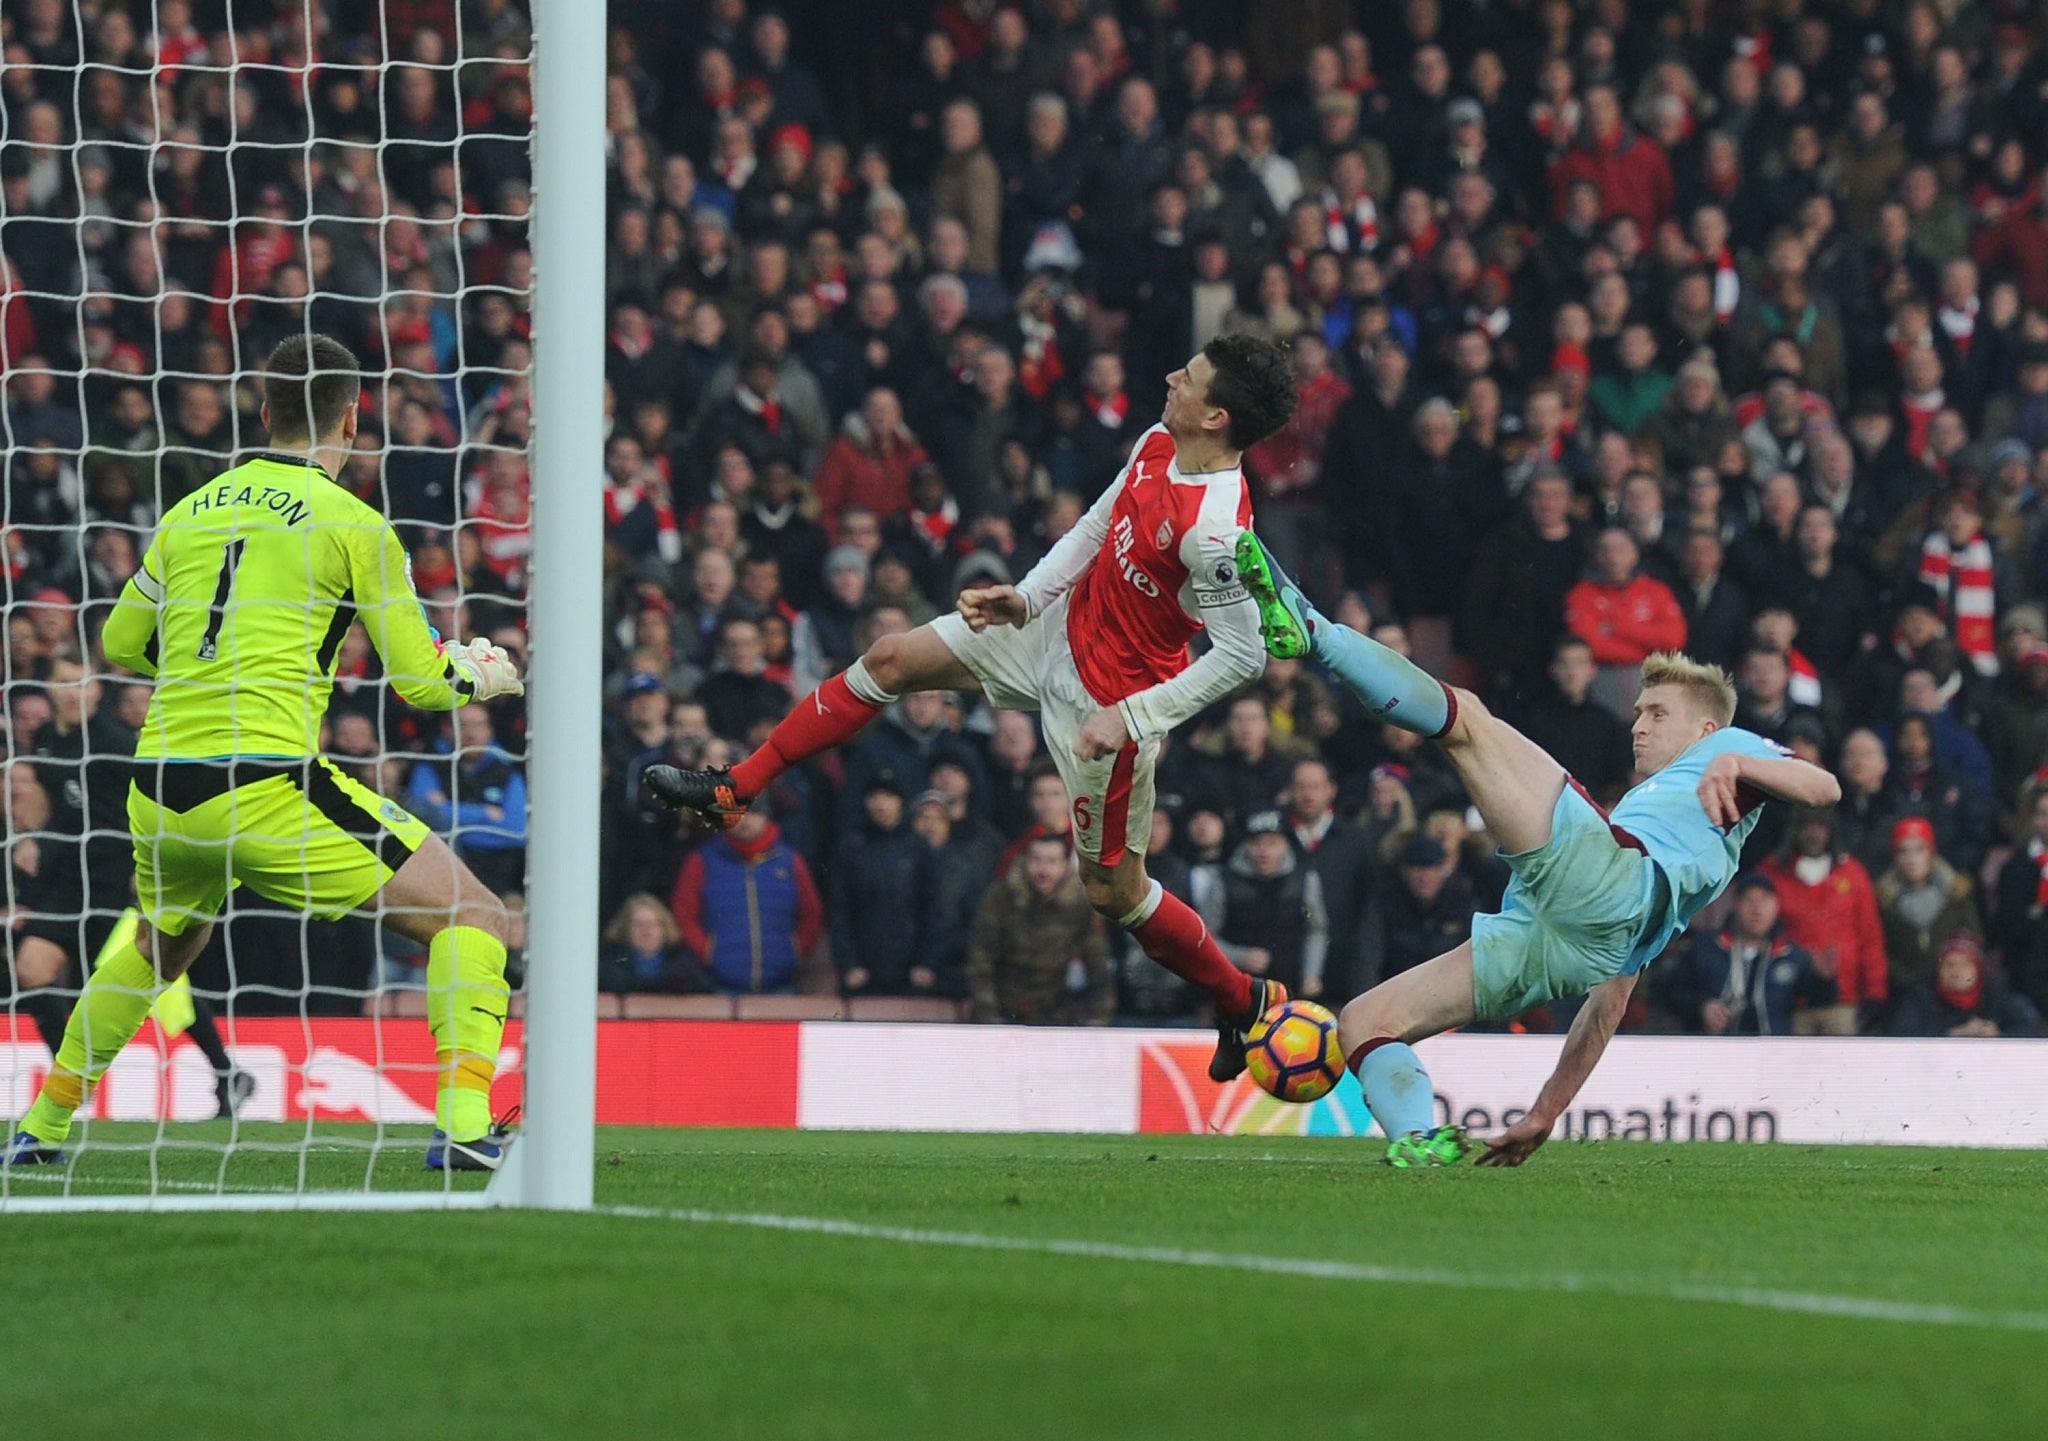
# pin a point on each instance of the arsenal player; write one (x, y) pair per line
(1095, 639)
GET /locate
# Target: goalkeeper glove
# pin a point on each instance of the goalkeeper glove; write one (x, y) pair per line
(490, 671)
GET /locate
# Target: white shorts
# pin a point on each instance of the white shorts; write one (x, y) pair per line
(1031, 667)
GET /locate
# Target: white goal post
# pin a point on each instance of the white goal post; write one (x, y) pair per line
(552, 1165)
(551, 1162)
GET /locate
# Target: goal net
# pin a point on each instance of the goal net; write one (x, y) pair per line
(186, 184)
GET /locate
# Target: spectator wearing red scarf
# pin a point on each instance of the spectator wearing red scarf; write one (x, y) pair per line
(745, 903)
(1956, 559)
(1963, 999)
(502, 519)
(639, 517)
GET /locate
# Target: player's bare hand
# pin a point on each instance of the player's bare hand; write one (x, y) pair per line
(1311, 989)
(1517, 1143)
(1718, 790)
(989, 605)
(1102, 734)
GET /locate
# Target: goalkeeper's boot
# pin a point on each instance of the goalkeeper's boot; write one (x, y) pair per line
(30, 1150)
(485, 1153)
(1232, 1036)
(1443, 1146)
(1283, 610)
(708, 793)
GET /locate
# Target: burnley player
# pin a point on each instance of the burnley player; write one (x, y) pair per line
(1095, 639)
(1593, 899)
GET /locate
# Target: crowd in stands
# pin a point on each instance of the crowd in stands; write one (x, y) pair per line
(1618, 326)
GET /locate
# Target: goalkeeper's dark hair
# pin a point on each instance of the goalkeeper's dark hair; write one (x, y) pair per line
(1254, 382)
(310, 380)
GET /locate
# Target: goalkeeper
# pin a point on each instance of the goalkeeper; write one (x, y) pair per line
(239, 611)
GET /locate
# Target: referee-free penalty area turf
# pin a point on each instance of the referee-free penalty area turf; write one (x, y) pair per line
(836, 1285)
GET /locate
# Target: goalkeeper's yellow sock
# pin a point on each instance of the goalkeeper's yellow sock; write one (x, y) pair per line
(466, 1001)
(116, 999)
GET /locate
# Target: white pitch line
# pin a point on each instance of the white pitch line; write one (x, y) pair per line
(1860, 1308)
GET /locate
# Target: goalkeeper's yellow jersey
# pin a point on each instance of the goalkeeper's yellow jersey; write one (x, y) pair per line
(241, 604)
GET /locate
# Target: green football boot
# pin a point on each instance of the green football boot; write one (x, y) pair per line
(1283, 611)
(1444, 1146)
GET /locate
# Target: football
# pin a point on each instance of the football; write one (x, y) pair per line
(1293, 1052)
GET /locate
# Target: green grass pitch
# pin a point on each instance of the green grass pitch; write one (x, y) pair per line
(835, 1285)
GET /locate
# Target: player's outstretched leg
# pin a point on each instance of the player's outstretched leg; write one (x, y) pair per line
(1394, 687)
(1512, 780)
(831, 715)
(1376, 1030)
(117, 997)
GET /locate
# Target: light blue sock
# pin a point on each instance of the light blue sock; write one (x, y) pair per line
(1397, 1090)
(1392, 686)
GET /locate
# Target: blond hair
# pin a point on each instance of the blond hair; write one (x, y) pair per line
(621, 928)
(1709, 686)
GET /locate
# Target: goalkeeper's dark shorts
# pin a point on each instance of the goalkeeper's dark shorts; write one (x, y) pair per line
(296, 832)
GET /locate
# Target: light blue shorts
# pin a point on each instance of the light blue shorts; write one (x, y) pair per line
(1572, 916)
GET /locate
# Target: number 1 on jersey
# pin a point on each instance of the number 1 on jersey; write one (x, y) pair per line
(209, 644)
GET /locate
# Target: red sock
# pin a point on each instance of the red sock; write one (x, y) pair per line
(829, 716)
(1177, 938)
(1357, 1057)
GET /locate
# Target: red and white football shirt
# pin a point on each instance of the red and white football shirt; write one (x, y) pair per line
(1169, 556)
